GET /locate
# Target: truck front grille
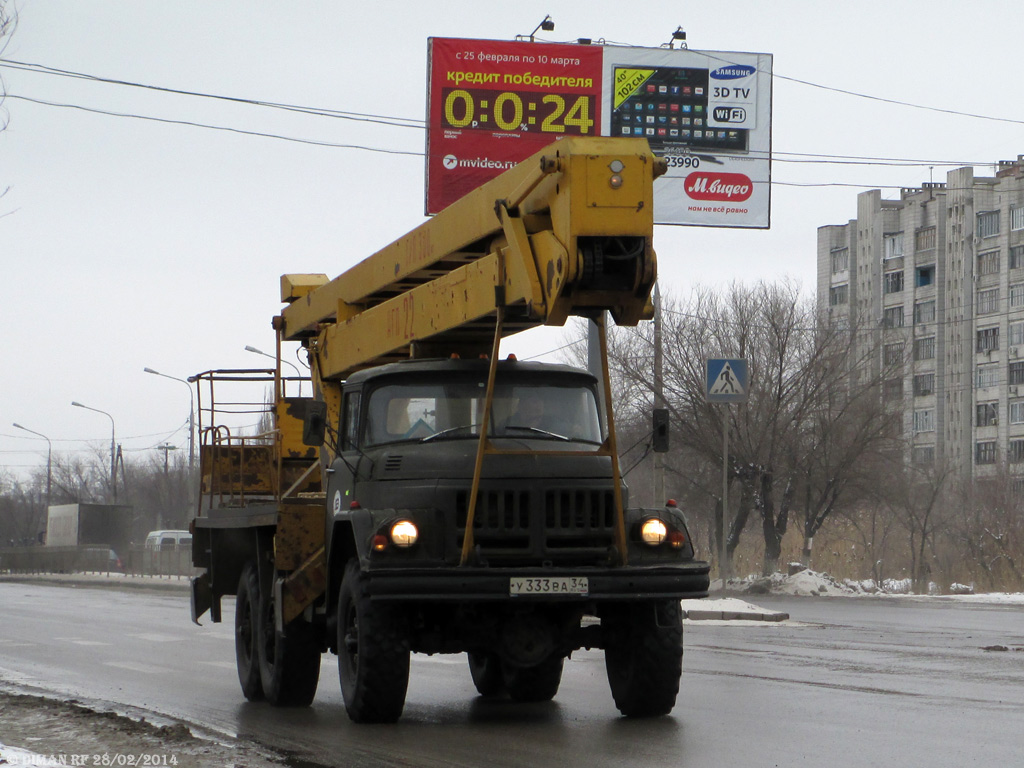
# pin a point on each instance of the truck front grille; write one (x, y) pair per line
(538, 525)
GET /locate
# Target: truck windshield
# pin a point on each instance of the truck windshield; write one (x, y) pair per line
(452, 409)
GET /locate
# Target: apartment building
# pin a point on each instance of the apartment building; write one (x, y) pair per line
(936, 282)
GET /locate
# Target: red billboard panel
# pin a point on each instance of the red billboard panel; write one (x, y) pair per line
(494, 103)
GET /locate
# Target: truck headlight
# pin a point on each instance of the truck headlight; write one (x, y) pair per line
(404, 534)
(653, 531)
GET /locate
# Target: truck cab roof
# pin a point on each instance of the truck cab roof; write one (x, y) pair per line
(455, 365)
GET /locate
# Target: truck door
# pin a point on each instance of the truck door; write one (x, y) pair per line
(341, 481)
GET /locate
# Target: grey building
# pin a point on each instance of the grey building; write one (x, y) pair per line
(936, 282)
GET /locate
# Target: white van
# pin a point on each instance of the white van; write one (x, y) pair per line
(168, 541)
(167, 553)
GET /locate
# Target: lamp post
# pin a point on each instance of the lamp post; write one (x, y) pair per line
(191, 416)
(49, 460)
(255, 351)
(166, 448)
(113, 443)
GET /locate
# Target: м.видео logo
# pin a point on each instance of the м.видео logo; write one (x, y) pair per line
(730, 187)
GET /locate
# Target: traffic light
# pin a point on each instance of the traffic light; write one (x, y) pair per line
(660, 430)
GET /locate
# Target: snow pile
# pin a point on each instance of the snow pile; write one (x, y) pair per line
(804, 582)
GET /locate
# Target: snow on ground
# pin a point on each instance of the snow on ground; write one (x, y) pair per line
(808, 583)
(13, 756)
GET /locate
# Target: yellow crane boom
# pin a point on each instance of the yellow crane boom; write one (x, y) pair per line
(567, 232)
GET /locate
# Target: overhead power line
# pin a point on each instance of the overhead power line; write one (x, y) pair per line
(775, 156)
(229, 129)
(400, 122)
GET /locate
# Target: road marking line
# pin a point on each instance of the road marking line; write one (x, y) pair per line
(133, 666)
(446, 659)
(154, 638)
(220, 664)
(80, 641)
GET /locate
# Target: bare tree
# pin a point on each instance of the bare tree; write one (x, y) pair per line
(8, 21)
(801, 437)
(915, 493)
(985, 538)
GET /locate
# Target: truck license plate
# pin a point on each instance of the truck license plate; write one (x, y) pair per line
(549, 585)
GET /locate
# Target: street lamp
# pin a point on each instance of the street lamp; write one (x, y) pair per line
(113, 442)
(166, 448)
(191, 415)
(255, 351)
(49, 460)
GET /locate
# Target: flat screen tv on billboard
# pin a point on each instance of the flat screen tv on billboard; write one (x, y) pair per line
(492, 104)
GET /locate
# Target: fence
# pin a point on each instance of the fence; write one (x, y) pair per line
(137, 561)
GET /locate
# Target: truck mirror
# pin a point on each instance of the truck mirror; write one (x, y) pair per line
(314, 423)
(660, 430)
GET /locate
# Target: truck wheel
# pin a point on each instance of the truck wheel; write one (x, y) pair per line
(289, 662)
(486, 671)
(247, 603)
(373, 654)
(644, 657)
(539, 683)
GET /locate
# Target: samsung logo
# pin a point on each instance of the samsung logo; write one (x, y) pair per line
(733, 72)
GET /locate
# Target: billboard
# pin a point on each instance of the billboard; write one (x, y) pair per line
(493, 103)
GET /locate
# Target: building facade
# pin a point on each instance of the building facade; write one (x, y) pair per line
(935, 280)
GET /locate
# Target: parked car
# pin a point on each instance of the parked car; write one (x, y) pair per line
(101, 559)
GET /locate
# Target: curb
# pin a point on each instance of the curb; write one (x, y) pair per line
(735, 616)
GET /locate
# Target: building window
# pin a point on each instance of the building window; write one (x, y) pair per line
(1016, 453)
(892, 317)
(985, 452)
(1017, 412)
(840, 260)
(924, 312)
(924, 420)
(1016, 373)
(988, 224)
(892, 245)
(1017, 256)
(986, 415)
(988, 375)
(924, 454)
(1017, 295)
(1017, 218)
(926, 276)
(839, 294)
(924, 349)
(1016, 334)
(892, 389)
(988, 263)
(893, 282)
(924, 239)
(892, 354)
(988, 301)
(987, 339)
(924, 384)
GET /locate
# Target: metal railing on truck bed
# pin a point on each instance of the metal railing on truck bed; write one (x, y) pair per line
(262, 460)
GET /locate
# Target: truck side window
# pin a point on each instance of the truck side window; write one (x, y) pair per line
(350, 422)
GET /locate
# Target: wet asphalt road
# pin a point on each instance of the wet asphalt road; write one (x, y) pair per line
(847, 682)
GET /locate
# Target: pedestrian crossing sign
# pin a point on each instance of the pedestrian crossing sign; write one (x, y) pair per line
(727, 380)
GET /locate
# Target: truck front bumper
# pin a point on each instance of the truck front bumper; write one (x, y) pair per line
(469, 584)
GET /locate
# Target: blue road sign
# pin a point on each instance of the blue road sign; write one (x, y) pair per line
(727, 380)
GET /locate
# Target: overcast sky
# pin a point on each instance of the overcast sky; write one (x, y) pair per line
(127, 243)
